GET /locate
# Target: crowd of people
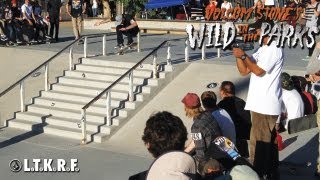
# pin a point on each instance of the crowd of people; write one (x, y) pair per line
(26, 24)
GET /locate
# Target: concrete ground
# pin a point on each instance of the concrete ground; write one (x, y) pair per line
(124, 154)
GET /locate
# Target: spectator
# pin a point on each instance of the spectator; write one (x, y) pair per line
(293, 106)
(204, 128)
(240, 117)
(40, 22)
(76, 9)
(226, 5)
(311, 15)
(27, 16)
(94, 8)
(126, 25)
(209, 102)
(264, 102)
(164, 137)
(309, 100)
(313, 69)
(269, 3)
(210, 10)
(3, 36)
(14, 25)
(54, 11)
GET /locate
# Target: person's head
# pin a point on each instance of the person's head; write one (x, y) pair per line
(259, 4)
(192, 105)
(299, 83)
(227, 89)
(286, 81)
(14, 3)
(164, 132)
(209, 100)
(313, 1)
(27, 2)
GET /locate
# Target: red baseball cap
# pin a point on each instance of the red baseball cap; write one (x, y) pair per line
(14, 2)
(191, 100)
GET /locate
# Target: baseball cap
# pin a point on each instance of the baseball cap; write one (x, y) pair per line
(286, 81)
(191, 100)
(118, 20)
(243, 172)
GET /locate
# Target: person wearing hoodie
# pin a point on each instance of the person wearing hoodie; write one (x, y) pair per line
(165, 136)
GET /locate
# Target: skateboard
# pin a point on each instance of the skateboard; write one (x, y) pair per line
(126, 48)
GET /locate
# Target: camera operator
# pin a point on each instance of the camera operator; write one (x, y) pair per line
(264, 102)
(313, 70)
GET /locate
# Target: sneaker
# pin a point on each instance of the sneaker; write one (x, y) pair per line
(119, 46)
(3, 37)
(48, 37)
(33, 41)
(19, 42)
(307, 58)
(130, 44)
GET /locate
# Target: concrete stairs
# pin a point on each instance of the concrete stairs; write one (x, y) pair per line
(58, 110)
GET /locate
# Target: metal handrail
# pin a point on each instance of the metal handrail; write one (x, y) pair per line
(107, 91)
(50, 59)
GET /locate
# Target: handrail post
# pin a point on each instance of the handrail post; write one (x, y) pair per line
(83, 126)
(104, 45)
(219, 53)
(155, 65)
(131, 98)
(71, 58)
(108, 108)
(186, 51)
(22, 96)
(169, 54)
(138, 41)
(203, 53)
(46, 77)
(85, 47)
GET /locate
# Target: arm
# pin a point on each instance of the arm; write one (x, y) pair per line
(68, 8)
(133, 24)
(246, 66)
(190, 147)
(84, 7)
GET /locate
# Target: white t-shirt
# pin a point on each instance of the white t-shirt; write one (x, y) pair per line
(227, 5)
(94, 4)
(269, 2)
(264, 95)
(27, 9)
(225, 123)
(292, 105)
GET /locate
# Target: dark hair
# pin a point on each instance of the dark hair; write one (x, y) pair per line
(164, 132)
(228, 87)
(209, 99)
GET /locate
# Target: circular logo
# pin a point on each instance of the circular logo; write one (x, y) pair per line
(15, 165)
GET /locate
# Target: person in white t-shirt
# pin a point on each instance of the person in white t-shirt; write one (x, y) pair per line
(264, 102)
(292, 103)
(28, 18)
(94, 8)
(226, 5)
(209, 102)
(269, 3)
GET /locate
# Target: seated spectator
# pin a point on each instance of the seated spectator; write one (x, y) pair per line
(27, 16)
(164, 137)
(3, 36)
(13, 18)
(292, 104)
(209, 102)
(310, 101)
(204, 128)
(226, 5)
(210, 10)
(241, 118)
(40, 22)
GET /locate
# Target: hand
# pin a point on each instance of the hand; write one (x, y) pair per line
(29, 22)
(60, 18)
(237, 52)
(122, 29)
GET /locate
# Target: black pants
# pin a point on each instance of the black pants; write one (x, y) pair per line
(54, 23)
(310, 50)
(129, 33)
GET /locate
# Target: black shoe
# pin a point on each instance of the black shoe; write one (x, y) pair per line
(57, 39)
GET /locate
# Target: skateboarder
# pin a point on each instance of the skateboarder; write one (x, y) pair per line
(126, 25)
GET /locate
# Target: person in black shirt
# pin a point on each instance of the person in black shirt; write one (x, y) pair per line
(240, 117)
(76, 9)
(54, 10)
(126, 25)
